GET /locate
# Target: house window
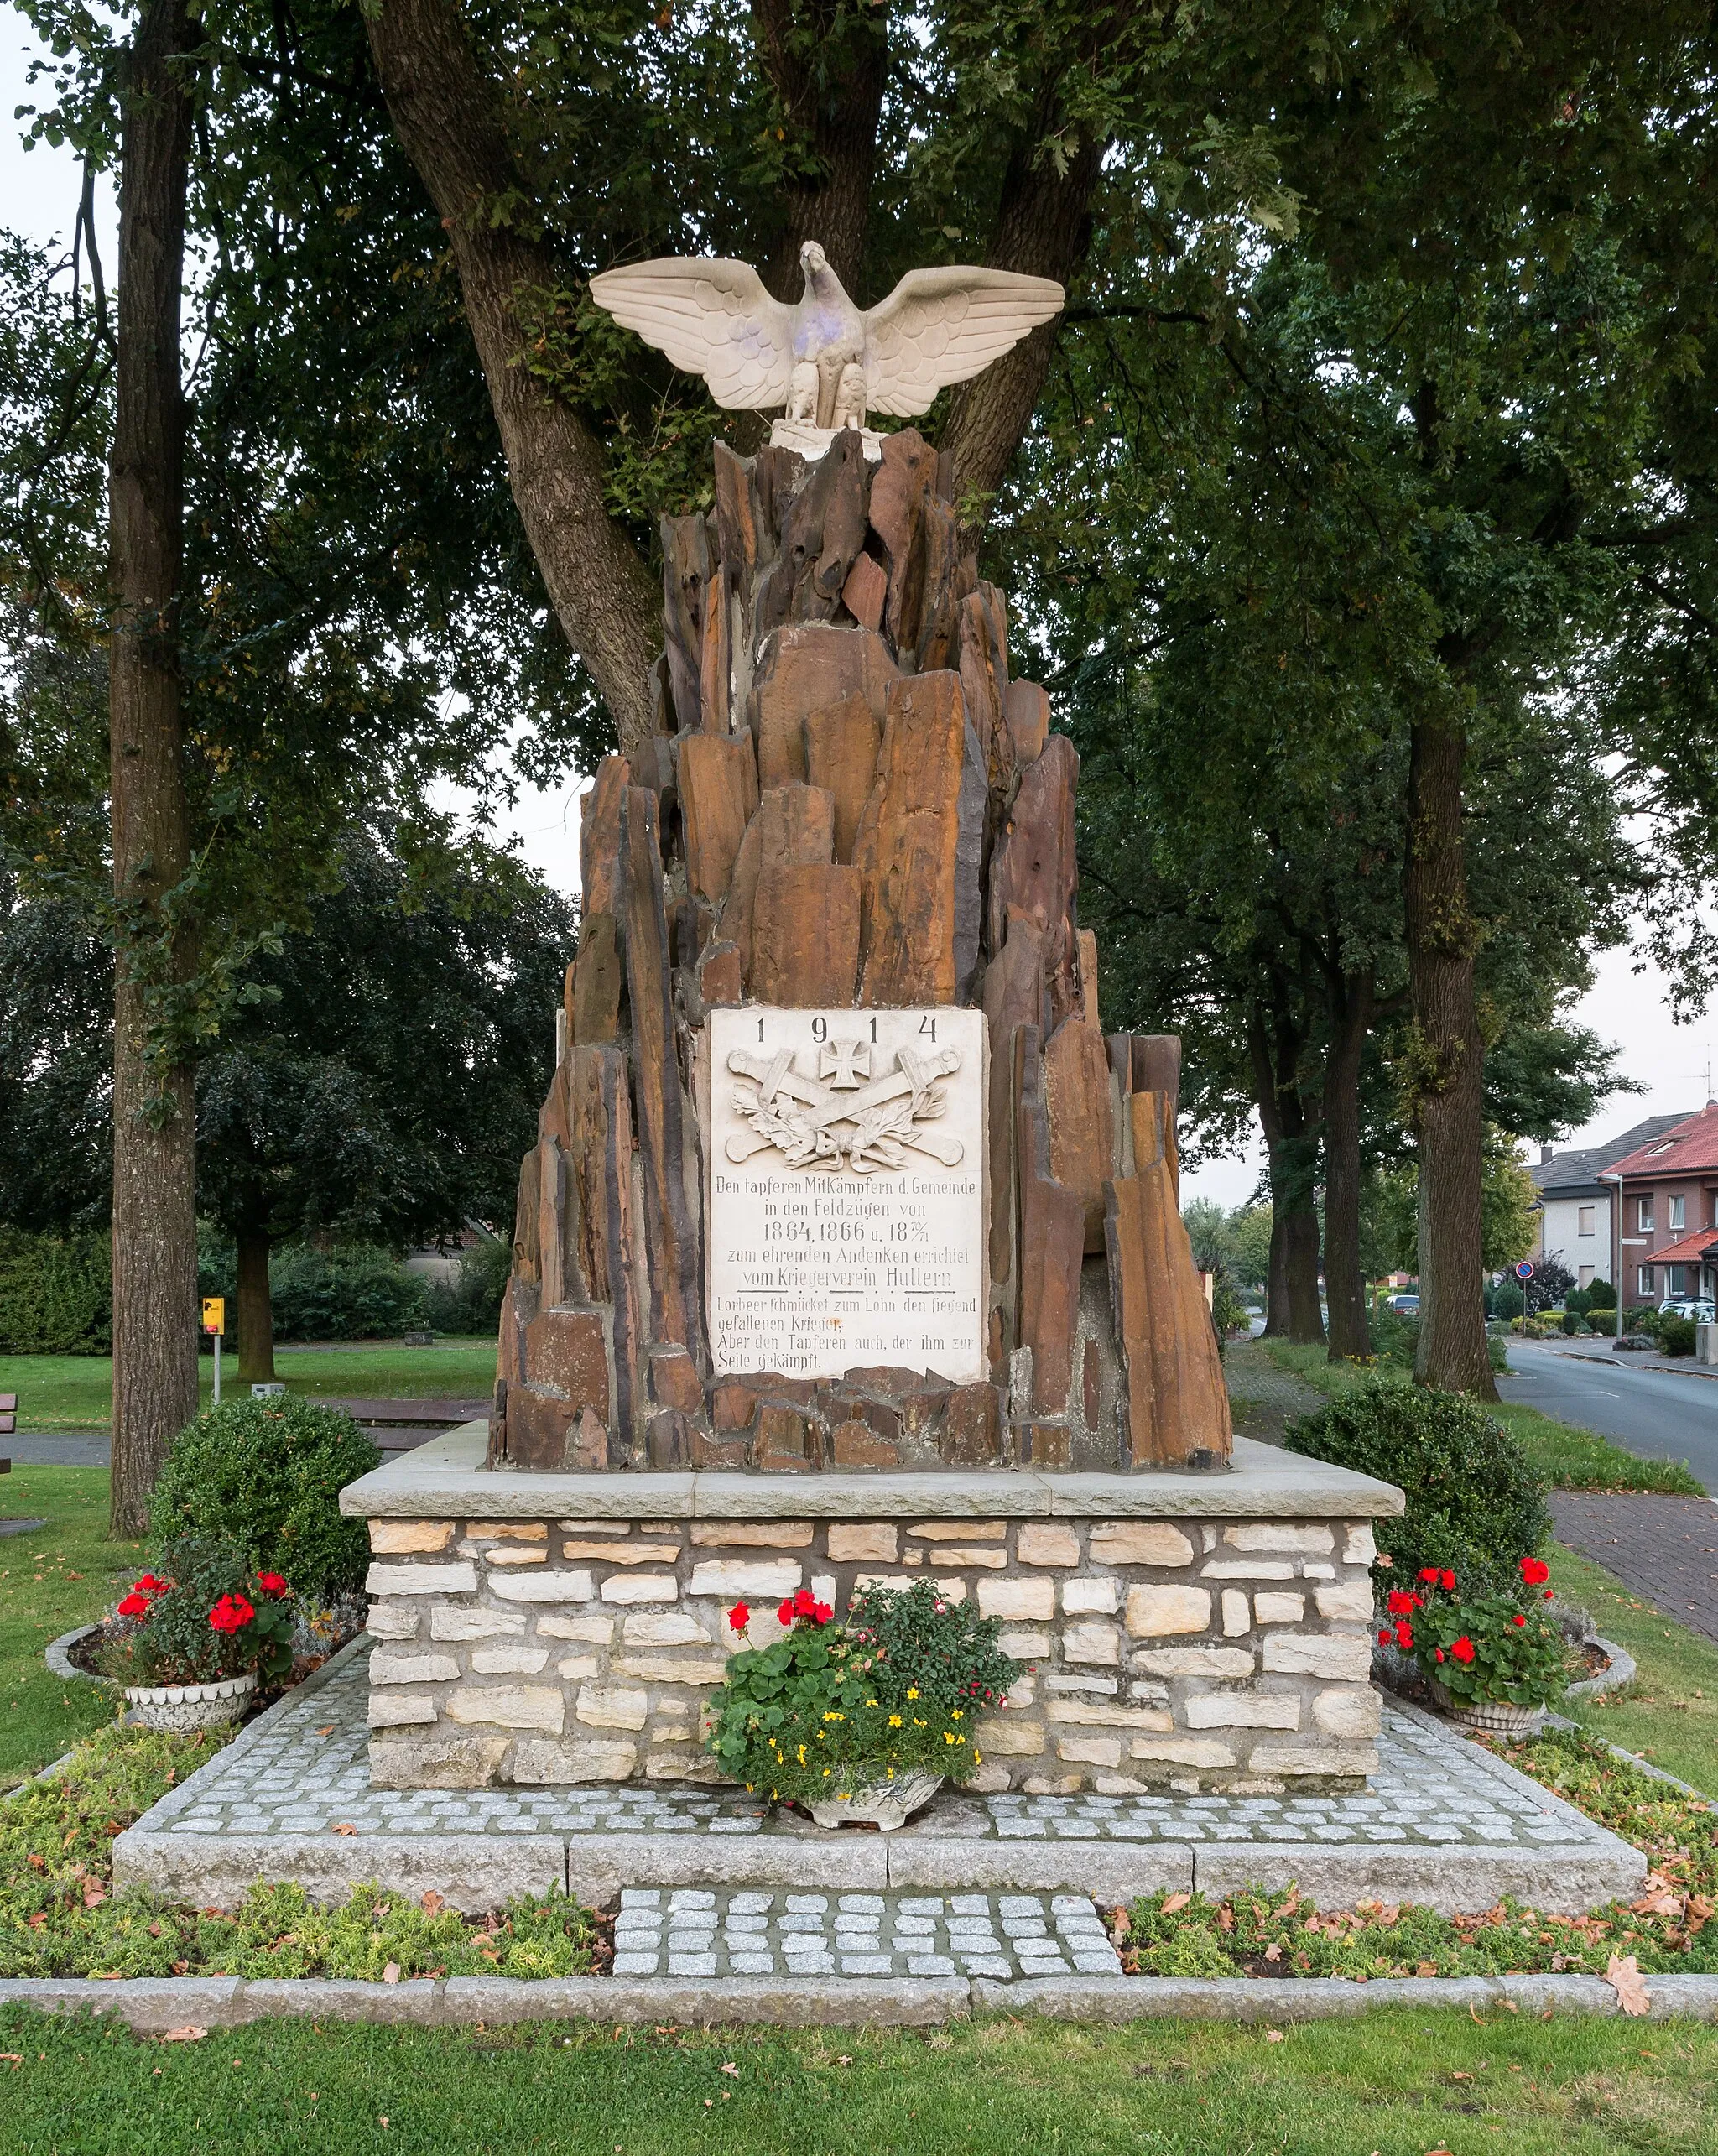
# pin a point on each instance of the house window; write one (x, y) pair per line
(1643, 1213)
(1586, 1276)
(1679, 1211)
(1583, 1214)
(1646, 1277)
(1676, 1279)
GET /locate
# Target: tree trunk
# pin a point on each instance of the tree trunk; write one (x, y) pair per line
(829, 67)
(1292, 1296)
(256, 1310)
(1043, 230)
(154, 1128)
(448, 119)
(1344, 1289)
(1448, 1061)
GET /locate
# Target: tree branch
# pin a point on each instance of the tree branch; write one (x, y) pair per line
(449, 121)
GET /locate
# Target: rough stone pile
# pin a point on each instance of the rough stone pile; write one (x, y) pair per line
(848, 802)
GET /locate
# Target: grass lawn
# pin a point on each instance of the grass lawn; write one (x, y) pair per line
(1393, 2084)
(60, 1575)
(75, 1391)
(1670, 1715)
(1567, 1457)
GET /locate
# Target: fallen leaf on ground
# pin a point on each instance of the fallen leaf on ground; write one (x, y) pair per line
(12, 2059)
(390, 1975)
(327, 1730)
(1176, 1902)
(1623, 1975)
(186, 2035)
(433, 1901)
(730, 2068)
(1274, 2036)
(345, 1827)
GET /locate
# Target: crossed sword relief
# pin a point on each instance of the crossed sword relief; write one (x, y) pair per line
(844, 1122)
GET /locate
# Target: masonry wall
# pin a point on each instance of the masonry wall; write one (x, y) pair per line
(1206, 1655)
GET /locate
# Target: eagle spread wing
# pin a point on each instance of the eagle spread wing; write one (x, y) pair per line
(712, 317)
(939, 326)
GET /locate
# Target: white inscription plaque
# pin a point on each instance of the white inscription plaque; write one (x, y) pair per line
(847, 1190)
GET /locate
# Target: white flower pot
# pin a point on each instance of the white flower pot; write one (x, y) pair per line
(1496, 1717)
(886, 1804)
(188, 1706)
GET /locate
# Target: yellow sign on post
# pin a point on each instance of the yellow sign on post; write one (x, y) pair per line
(214, 1314)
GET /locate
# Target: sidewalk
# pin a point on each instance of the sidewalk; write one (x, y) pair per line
(1601, 1350)
(1263, 1399)
(1666, 1548)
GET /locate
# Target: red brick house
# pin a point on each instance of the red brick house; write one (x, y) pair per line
(1669, 1211)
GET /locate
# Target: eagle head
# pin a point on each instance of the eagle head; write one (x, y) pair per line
(813, 260)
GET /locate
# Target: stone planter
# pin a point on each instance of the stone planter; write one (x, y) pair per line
(1495, 1717)
(886, 1804)
(182, 1707)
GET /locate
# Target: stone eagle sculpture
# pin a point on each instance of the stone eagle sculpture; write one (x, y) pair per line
(827, 362)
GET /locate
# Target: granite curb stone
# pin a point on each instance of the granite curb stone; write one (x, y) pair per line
(151, 2006)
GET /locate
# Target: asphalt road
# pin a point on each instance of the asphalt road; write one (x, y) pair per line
(1660, 1414)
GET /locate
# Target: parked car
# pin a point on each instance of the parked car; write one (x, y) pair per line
(1405, 1306)
(1697, 1307)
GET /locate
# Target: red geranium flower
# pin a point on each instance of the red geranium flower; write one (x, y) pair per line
(1518, 1619)
(805, 1603)
(134, 1606)
(271, 1583)
(823, 1612)
(1450, 1581)
(1440, 1653)
(1428, 1573)
(1385, 1637)
(1463, 1650)
(150, 1585)
(785, 1613)
(1535, 1572)
(739, 1617)
(1400, 1602)
(1404, 1635)
(231, 1613)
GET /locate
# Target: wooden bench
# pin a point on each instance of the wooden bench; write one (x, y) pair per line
(8, 1423)
(400, 1425)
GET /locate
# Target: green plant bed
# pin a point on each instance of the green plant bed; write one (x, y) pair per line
(1256, 1933)
(75, 1391)
(62, 1575)
(60, 1917)
(1400, 2083)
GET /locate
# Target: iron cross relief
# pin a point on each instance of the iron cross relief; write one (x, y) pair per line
(844, 1063)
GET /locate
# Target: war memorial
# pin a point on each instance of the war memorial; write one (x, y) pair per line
(850, 1251)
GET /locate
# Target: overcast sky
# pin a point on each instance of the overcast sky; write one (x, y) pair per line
(38, 193)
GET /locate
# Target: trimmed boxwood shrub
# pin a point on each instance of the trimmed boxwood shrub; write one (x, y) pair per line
(56, 1294)
(1475, 1502)
(267, 1474)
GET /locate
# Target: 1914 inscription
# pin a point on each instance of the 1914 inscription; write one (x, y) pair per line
(847, 1190)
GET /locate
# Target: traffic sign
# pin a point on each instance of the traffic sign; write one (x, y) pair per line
(1524, 1271)
(214, 1314)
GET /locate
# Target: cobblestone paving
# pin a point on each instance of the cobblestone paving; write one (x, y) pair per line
(701, 1931)
(1664, 1547)
(306, 1773)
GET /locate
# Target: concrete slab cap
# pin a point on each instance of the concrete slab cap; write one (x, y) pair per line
(1108, 1871)
(1223, 1999)
(796, 2002)
(599, 1865)
(1457, 1877)
(447, 1479)
(473, 1872)
(150, 2005)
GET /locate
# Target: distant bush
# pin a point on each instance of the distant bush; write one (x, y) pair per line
(355, 1291)
(56, 1294)
(1475, 1503)
(471, 1302)
(1599, 1296)
(1395, 1336)
(1676, 1335)
(267, 1474)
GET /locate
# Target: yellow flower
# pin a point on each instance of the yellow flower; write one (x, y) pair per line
(912, 1691)
(978, 1759)
(895, 1722)
(948, 1736)
(956, 1714)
